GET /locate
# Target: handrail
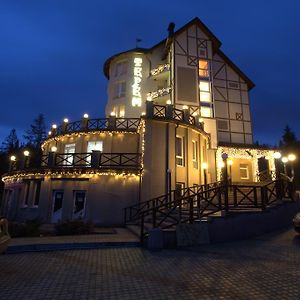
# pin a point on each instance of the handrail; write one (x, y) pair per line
(195, 206)
(132, 212)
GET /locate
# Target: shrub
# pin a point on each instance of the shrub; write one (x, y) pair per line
(73, 227)
(28, 229)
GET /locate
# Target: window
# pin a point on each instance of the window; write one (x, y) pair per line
(121, 68)
(179, 189)
(94, 146)
(121, 111)
(79, 204)
(27, 190)
(120, 89)
(206, 112)
(69, 157)
(57, 207)
(37, 193)
(205, 93)
(179, 145)
(244, 171)
(222, 125)
(195, 154)
(203, 68)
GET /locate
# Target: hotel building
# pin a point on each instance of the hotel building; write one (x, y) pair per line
(172, 111)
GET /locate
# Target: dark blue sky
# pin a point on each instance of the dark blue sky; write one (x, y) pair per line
(52, 53)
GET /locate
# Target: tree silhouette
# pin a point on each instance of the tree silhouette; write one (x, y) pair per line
(11, 142)
(37, 132)
(289, 140)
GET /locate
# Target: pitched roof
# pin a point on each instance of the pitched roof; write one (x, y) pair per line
(215, 41)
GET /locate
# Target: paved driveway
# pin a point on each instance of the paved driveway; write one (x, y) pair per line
(262, 268)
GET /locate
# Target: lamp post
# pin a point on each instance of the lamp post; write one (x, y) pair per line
(205, 167)
(230, 163)
(225, 157)
(284, 161)
(292, 157)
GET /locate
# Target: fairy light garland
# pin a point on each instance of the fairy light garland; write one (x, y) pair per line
(244, 153)
(60, 138)
(75, 174)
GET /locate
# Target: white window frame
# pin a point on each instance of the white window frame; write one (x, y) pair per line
(244, 168)
(180, 158)
(67, 151)
(120, 89)
(207, 70)
(121, 68)
(74, 216)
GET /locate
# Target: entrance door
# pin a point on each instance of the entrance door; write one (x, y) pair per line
(79, 204)
(57, 206)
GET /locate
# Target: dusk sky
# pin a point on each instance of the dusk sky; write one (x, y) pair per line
(52, 54)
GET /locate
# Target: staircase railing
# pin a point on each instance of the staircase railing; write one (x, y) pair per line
(194, 206)
(133, 212)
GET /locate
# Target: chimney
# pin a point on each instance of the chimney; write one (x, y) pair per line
(171, 29)
(169, 40)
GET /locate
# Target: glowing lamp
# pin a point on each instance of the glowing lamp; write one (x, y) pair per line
(112, 114)
(149, 98)
(143, 114)
(54, 126)
(53, 148)
(291, 157)
(26, 153)
(201, 120)
(169, 102)
(86, 116)
(277, 155)
(13, 158)
(185, 107)
(66, 120)
(230, 162)
(284, 159)
(204, 166)
(49, 132)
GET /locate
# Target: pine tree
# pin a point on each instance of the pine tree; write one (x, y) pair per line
(37, 132)
(11, 142)
(289, 140)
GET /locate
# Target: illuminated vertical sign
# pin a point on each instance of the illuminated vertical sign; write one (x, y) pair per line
(137, 79)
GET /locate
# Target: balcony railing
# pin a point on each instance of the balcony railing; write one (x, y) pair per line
(96, 159)
(159, 93)
(168, 112)
(160, 69)
(103, 124)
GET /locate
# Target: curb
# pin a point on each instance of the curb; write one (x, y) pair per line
(68, 246)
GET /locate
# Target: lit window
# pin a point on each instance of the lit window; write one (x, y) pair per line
(94, 146)
(69, 154)
(121, 68)
(244, 171)
(205, 94)
(122, 111)
(120, 89)
(203, 68)
(179, 151)
(206, 112)
(195, 154)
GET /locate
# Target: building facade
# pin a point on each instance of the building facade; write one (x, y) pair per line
(172, 111)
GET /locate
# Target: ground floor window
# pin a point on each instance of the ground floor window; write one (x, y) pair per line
(244, 171)
(26, 195)
(179, 189)
(37, 193)
(58, 196)
(79, 204)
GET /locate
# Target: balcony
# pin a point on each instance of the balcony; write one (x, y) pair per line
(159, 94)
(101, 124)
(161, 71)
(77, 163)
